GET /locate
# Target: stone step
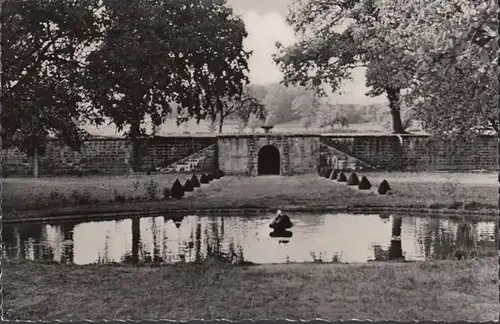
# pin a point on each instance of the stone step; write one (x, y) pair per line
(191, 162)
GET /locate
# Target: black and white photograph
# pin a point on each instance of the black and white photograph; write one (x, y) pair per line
(249, 160)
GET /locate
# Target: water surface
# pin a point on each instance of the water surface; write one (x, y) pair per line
(313, 238)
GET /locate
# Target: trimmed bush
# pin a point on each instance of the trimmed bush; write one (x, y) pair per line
(166, 193)
(383, 188)
(364, 184)
(334, 174)
(209, 177)
(177, 190)
(188, 186)
(204, 179)
(353, 180)
(217, 174)
(327, 172)
(221, 173)
(341, 177)
(194, 181)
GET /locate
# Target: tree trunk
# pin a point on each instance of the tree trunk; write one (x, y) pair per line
(393, 94)
(34, 161)
(395, 248)
(135, 131)
(1, 79)
(220, 110)
(136, 240)
(221, 122)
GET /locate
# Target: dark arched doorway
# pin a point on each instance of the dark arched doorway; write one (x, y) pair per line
(269, 160)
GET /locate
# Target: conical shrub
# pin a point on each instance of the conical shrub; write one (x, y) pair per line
(194, 181)
(353, 180)
(327, 172)
(334, 174)
(341, 177)
(217, 174)
(204, 179)
(383, 188)
(209, 177)
(364, 184)
(188, 186)
(177, 190)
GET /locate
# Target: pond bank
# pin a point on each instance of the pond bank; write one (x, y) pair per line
(147, 210)
(431, 290)
(444, 195)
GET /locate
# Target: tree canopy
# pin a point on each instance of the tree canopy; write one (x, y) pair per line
(156, 53)
(43, 51)
(427, 52)
(453, 47)
(70, 62)
(43, 45)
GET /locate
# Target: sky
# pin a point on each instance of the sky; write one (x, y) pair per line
(265, 23)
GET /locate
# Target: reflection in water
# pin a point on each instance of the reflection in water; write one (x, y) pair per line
(316, 238)
(177, 220)
(281, 233)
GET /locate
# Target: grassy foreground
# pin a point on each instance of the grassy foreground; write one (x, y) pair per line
(31, 197)
(434, 290)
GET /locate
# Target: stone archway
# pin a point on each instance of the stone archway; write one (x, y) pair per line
(268, 161)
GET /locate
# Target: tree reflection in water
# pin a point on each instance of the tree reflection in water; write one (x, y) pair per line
(441, 242)
(136, 242)
(199, 239)
(68, 230)
(464, 245)
(395, 251)
(157, 258)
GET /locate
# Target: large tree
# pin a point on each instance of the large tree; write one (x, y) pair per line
(156, 53)
(306, 106)
(278, 101)
(453, 47)
(239, 107)
(336, 37)
(43, 52)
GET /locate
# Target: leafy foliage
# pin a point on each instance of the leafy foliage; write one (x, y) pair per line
(453, 45)
(278, 101)
(334, 38)
(306, 106)
(159, 53)
(242, 106)
(439, 57)
(44, 46)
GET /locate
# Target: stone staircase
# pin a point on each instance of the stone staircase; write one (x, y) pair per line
(193, 163)
(338, 159)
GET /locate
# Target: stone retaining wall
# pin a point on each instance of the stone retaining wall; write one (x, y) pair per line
(238, 154)
(419, 152)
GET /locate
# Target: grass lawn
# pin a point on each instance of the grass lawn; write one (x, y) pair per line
(428, 190)
(434, 290)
